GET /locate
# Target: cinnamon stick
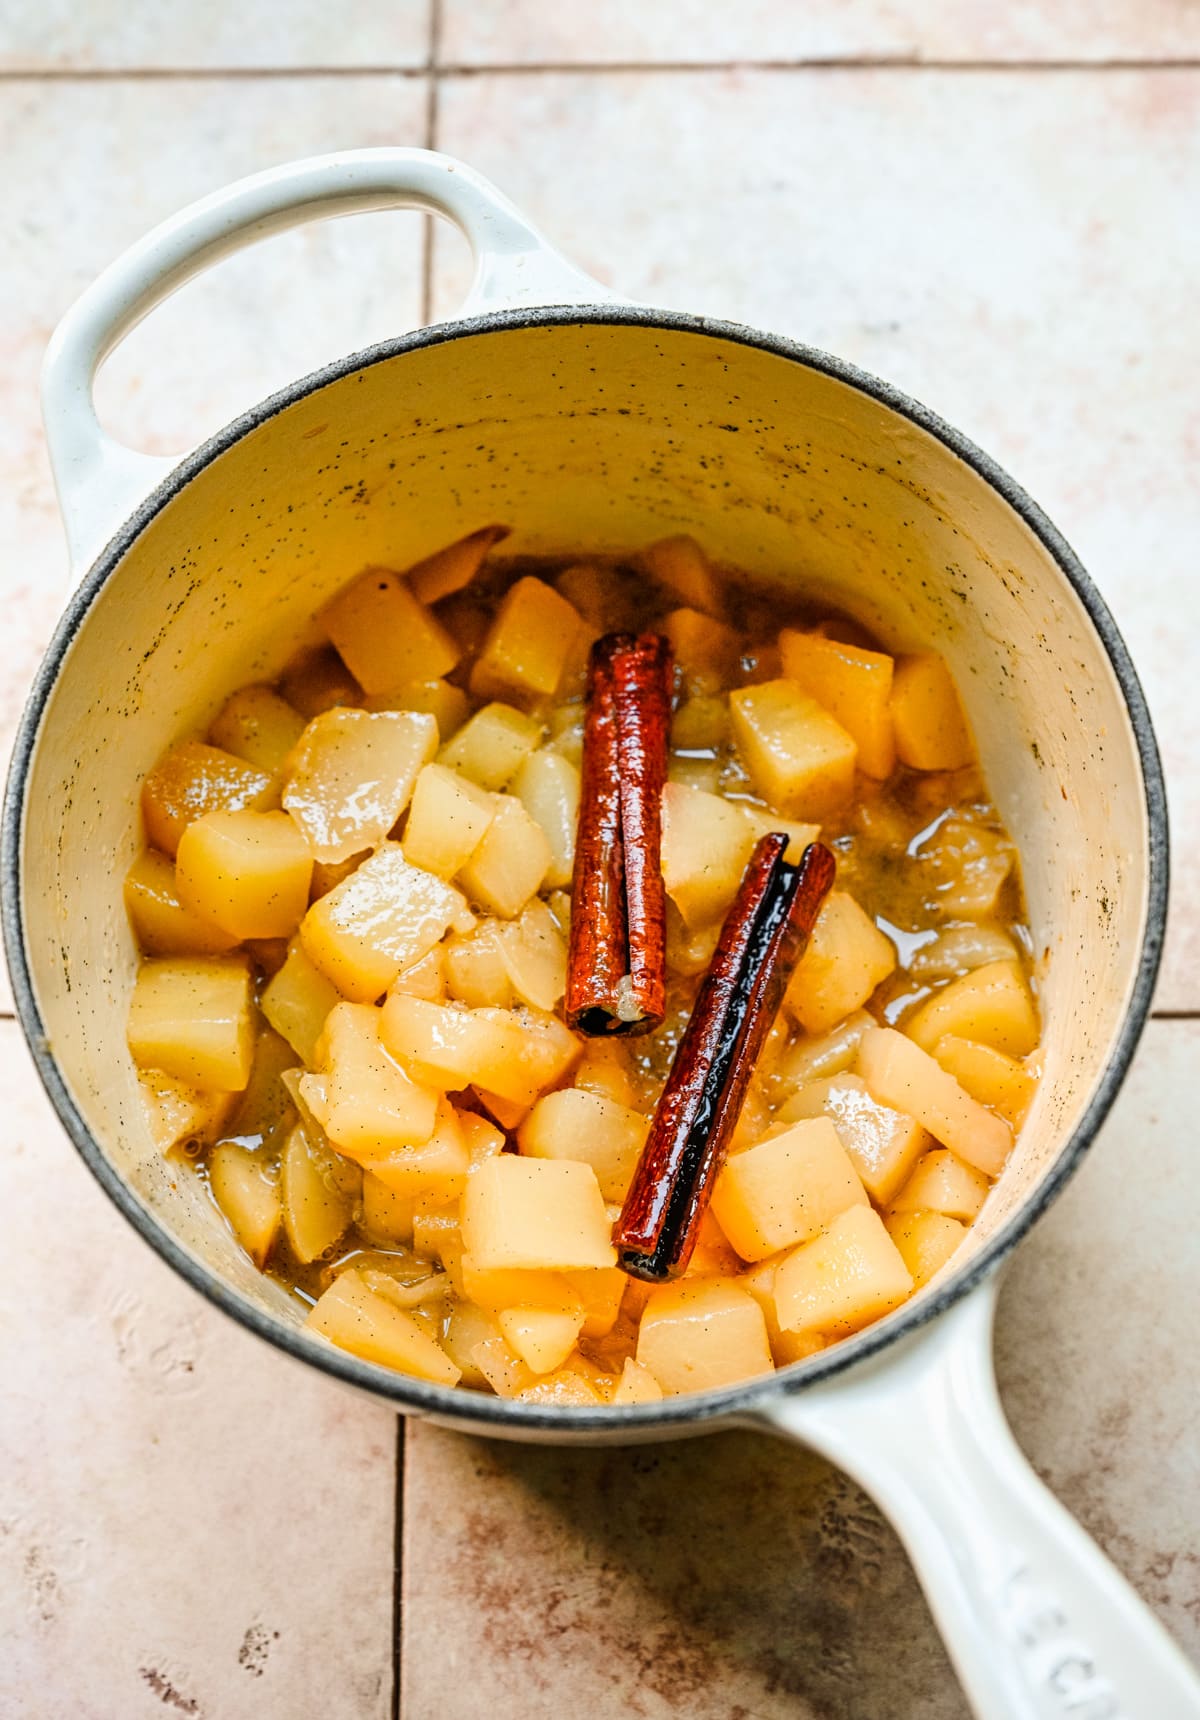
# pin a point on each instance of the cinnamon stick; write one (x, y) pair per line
(616, 970)
(764, 935)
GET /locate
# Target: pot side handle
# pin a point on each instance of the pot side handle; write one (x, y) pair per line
(100, 481)
(1039, 1624)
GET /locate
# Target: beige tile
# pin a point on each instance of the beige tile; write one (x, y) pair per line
(526, 32)
(135, 34)
(733, 1576)
(89, 168)
(189, 1523)
(1016, 250)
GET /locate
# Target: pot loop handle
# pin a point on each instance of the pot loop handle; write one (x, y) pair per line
(1039, 1624)
(99, 480)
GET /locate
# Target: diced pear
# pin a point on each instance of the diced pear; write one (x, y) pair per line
(810, 1059)
(248, 1194)
(565, 1388)
(358, 1319)
(491, 745)
(259, 726)
(264, 1106)
(943, 1183)
(352, 775)
(604, 1069)
(846, 958)
(178, 1113)
(547, 785)
(542, 1337)
(799, 758)
(381, 920)
(883, 1144)
(447, 704)
(317, 680)
(483, 1139)
(426, 978)
(988, 1075)
(528, 643)
(317, 1200)
(436, 1168)
(451, 569)
(925, 1240)
(297, 1002)
(436, 1233)
(959, 949)
(501, 1366)
(476, 972)
(510, 863)
(786, 1347)
(161, 924)
(601, 1290)
(573, 1124)
(713, 1255)
(245, 872)
(387, 1214)
(786, 1189)
(990, 1005)
(535, 1213)
(702, 775)
(447, 820)
(842, 1280)
(599, 594)
(853, 684)
(371, 1105)
(702, 1334)
(193, 1018)
(467, 1326)
(701, 723)
(900, 1074)
(516, 1054)
(970, 863)
(768, 823)
(679, 566)
(637, 1385)
(931, 730)
(706, 842)
(534, 954)
(706, 651)
(503, 1287)
(193, 779)
(384, 634)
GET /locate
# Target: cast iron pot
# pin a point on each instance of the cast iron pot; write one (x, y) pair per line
(587, 421)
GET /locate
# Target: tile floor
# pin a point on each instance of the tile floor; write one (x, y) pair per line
(992, 206)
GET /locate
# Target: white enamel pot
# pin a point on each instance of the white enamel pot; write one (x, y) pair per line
(585, 421)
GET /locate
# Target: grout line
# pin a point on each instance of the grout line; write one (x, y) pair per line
(899, 62)
(397, 1572)
(199, 74)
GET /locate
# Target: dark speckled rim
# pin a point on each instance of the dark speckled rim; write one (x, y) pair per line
(468, 1409)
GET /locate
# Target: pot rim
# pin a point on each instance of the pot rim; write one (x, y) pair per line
(450, 1404)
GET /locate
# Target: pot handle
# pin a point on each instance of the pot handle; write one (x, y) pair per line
(100, 481)
(1039, 1624)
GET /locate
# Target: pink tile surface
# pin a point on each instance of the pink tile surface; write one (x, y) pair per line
(190, 1524)
(1017, 251)
(525, 32)
(733, 1576)
(222, 34)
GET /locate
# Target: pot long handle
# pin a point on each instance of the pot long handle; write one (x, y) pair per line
(99, 480)
(1039, 1624)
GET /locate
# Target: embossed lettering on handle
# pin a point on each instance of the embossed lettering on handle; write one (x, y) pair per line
(1039, 1624)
